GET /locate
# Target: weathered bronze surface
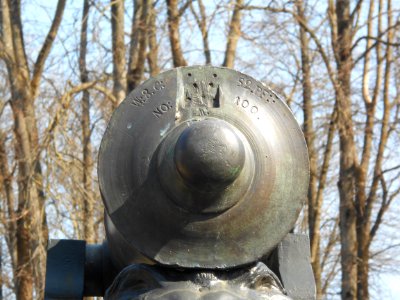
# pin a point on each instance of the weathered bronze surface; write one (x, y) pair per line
(255, 282)
(202, 167)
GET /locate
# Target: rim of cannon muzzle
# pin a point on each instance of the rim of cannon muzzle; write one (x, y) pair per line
(202, 167)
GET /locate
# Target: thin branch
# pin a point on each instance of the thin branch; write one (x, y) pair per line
(44, 52)
(380, 41)
(201, 23)
(374, 44)
(64, 104)
(384, 250)
(308, 29)
(386, 201)
(377, 38)
(106, 92)
(356, 10)
(391, 169)
(3, 106)
(332, 240)
(183, 8)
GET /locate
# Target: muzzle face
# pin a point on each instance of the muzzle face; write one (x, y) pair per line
(201, 167)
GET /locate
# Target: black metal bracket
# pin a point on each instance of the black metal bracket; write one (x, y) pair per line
(291, 261)
(76, 269)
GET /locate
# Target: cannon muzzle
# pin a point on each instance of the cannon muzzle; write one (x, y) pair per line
(201, 167)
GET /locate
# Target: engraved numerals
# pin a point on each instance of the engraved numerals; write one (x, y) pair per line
(146, 94)
(245, 104)
(255, 89)
(245, 83)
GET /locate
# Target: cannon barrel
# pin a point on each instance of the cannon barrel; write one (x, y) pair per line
(200, 168)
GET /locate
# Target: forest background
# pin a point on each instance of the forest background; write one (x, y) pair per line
(66, 65)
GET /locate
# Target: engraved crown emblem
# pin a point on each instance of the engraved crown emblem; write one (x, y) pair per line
(202, 93)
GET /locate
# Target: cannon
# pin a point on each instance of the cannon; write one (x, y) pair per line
(203, 172)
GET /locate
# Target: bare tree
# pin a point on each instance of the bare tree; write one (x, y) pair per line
(31, 231)
(316, 182)
(348, 158)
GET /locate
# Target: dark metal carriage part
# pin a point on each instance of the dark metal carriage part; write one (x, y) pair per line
(75, 269)
(162, 204)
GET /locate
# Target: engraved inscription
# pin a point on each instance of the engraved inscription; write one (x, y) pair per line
(245, 83)
(245, 104)
(255, 89)
(147, 93)
(161, 109)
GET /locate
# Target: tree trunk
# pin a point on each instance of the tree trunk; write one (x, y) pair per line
(363, 222)
(87, 168)
(118, 50)
(138, 46)
(152, 55)
(348, 159)
(174, 37)
(314, 213)
(31, 232)
(24, 223)
(233, 35)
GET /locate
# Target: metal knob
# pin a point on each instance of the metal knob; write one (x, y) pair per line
(209, 152)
